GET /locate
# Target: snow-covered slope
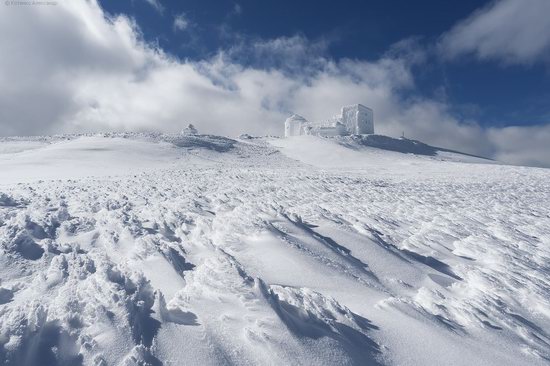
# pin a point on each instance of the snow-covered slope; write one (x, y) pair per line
(158, 249)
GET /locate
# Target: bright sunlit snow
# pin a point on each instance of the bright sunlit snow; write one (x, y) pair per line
(134, 249)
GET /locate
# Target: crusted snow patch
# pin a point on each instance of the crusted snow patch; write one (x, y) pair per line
(310, 314)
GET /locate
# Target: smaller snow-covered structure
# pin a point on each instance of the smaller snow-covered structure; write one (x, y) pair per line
(189, 130)
(295, 125)
(354, 119)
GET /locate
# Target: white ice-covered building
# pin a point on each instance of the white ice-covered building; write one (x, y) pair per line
(354, 119)
(295, 125)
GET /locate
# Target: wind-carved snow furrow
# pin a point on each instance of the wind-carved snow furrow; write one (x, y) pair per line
(310, 314)
(337, 248)
(343, 262)
(489, 313)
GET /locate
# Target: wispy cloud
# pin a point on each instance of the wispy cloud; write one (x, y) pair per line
(157, 5)
(181, 22)
(511, 31)
(295, 54)
(237, 9)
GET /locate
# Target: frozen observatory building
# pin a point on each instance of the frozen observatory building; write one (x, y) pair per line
(354, 119)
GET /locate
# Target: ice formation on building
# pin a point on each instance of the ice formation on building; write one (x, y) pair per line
(189, 130)
(354, 119)
(294, 125)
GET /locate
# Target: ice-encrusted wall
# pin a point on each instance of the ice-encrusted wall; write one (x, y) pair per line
(358, 119)
(294, 125)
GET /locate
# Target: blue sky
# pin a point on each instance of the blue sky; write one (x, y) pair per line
(493, 93)
(467, 75)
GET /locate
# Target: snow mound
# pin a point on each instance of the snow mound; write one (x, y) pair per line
(402, 145)
(119, 154)
(364, 151)
(310, 314)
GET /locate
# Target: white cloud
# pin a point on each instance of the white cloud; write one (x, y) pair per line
(180, 22)
(96, 74)
(512, 31)
(237, 9)
(156, 4)
(291, 54)
(522, 145)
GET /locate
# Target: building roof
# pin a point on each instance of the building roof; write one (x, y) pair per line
(357, 105)
(296, 117)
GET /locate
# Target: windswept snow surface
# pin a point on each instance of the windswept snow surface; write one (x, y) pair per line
(133, 249)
